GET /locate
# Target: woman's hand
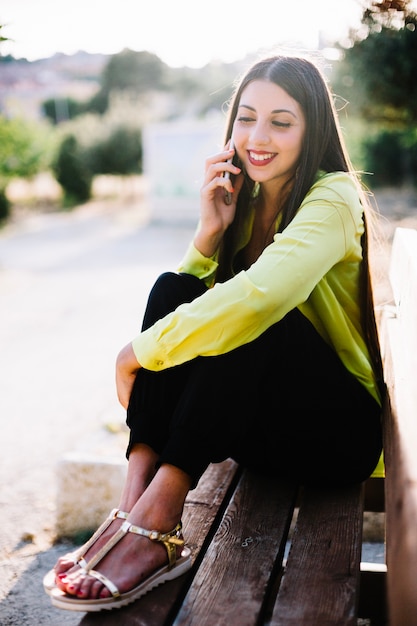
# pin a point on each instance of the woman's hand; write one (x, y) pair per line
(127, 367)
(216, 215)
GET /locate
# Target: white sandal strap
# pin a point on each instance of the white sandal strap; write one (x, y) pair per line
(106, 582)
(170, 540)
(82, 551)
(124, 528)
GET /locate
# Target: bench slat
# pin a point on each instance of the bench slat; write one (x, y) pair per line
(234, 577)
(320, 586)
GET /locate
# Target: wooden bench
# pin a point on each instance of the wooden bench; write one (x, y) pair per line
(269, 553)
(399, 348)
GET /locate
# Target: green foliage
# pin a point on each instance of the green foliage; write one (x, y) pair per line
(141, 76)
(120, 152)
(62, 109)
(72, 170)
(354, 129)
(377, 76)
(140, 71)
(128, 71)
(4, 206)
(392, 156)
(379, 70)
(25, 150)
(92, 145)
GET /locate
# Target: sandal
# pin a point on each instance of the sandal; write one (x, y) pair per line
(78, 555)
(176, 567)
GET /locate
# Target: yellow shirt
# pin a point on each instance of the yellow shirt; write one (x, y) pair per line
(313, 265)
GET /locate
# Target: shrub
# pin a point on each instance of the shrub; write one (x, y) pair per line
(118, 153)
(92, 145)
(391, 155)
(72, 170)
(4, 207)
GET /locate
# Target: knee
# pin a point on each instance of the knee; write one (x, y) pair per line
(165, 281)
(176, 288)
(169, 291)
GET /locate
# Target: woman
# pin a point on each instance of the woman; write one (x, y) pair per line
(262, 348)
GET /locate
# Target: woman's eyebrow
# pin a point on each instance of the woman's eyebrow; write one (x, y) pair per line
(247, 106)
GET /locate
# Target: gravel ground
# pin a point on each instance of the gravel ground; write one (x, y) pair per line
(73, 288)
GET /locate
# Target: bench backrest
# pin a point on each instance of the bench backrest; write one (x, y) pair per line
(399, 347)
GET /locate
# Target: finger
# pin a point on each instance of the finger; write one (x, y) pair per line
(219, 174)
(219, 157)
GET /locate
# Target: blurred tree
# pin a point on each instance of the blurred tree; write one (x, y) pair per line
(377, 75)
(62, 109)
(379, 67)
(73, 171)
(94, 144)
(119, 153)
(24, 151)
(129, 71)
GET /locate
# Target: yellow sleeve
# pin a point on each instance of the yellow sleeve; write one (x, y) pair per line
(241, 309)
(198, 265)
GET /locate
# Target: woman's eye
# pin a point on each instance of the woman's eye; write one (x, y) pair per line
(244, 119)
(281, 124)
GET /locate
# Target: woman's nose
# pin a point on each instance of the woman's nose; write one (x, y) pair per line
(259, 135)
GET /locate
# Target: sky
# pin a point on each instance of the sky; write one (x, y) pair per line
(181, 32)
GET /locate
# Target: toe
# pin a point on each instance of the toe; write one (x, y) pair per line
(64, 564)
(90, 588)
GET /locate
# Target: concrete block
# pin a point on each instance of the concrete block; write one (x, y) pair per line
(88, 487)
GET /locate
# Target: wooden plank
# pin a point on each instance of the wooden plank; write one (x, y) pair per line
(202, 507)
(233, 579)
(399, 343)
(400, 445)
(321, 579)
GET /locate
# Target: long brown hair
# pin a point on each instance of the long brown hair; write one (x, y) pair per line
(323, 149)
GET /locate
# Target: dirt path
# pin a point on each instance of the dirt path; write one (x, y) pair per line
(72, 288)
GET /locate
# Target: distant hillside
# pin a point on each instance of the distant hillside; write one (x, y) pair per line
(24, 85)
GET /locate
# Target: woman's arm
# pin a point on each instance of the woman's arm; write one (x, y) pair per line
(216, 216)
(127, 367)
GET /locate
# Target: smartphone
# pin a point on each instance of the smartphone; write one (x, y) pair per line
(227, 194)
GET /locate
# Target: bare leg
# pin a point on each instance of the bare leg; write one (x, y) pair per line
(141, 470)
(134, 558)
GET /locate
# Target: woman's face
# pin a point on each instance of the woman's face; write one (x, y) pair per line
(268, 133)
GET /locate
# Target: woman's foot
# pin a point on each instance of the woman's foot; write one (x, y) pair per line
(126, 565)
(134, 558)
(141, 470)
(72, 561)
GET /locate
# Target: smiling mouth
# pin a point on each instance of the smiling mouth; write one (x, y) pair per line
(261, 158)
